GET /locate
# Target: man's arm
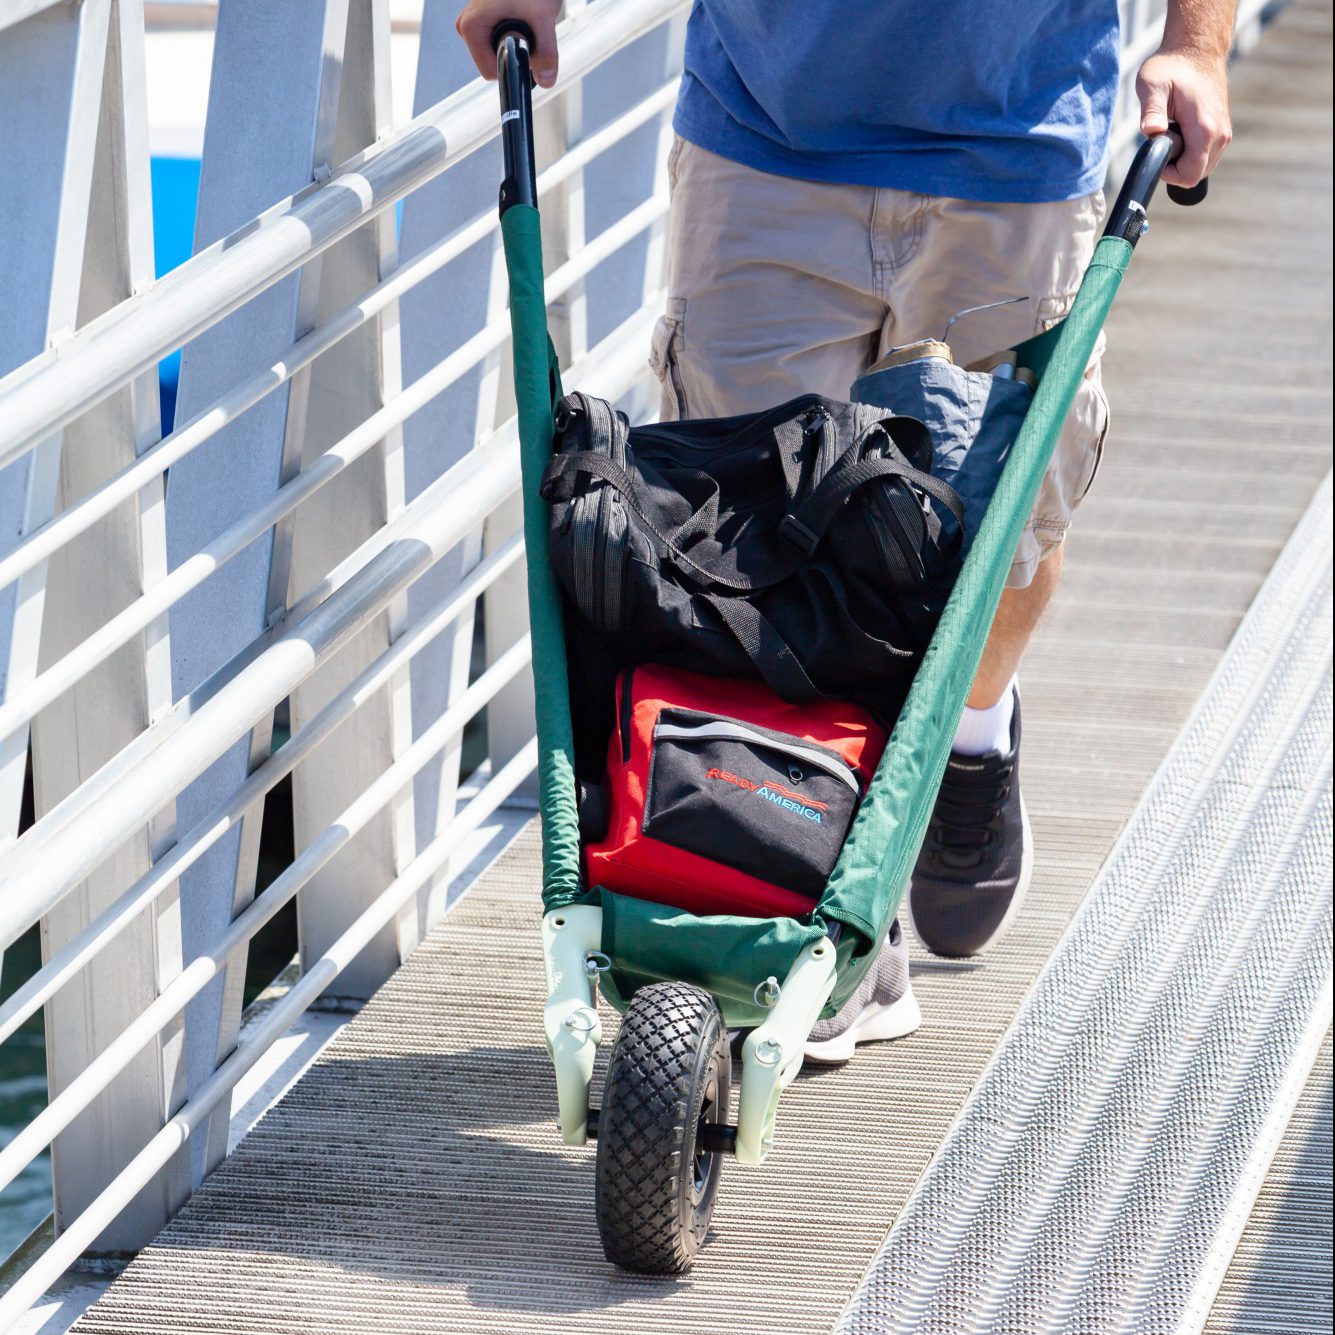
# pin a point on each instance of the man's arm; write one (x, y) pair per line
(1186, 81)
(478, 21)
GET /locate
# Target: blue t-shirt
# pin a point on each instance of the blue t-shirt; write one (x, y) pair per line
(1009, 100)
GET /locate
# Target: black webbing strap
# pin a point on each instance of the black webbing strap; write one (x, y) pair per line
(804, 528)
(805, 525)
(558, 484)
(767, 650)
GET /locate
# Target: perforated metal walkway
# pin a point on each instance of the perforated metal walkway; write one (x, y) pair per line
(413, 1180)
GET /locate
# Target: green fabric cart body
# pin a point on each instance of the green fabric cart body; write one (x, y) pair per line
(729, 956)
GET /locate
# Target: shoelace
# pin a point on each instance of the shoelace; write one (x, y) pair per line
(966, 819)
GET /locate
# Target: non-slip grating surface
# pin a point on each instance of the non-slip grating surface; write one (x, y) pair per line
(1280, 1281)
(1101, 1173)
(413, 1181)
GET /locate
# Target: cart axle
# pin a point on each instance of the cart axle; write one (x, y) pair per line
(715, 1137)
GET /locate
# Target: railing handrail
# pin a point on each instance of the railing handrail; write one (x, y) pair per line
(183, 440)
(53, 865)
(73, 837)
(214, 824)
(59, 676)
(50, 391)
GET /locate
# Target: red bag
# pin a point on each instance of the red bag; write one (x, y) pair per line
(723, 798)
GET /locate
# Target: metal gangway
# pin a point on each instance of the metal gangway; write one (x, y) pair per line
(1120, 1120)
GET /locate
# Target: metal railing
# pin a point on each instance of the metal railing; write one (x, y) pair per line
(104, 867)
(76, 836)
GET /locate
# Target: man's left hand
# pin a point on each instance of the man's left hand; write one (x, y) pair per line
(1189, 86)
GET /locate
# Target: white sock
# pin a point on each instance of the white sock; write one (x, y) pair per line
(985, 730)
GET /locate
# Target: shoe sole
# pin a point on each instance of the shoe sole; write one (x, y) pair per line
(877, 1022)
(1017, 899)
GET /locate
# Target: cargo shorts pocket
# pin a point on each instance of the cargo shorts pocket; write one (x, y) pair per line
(1086, 430)
(1102, 420)
(665, 354)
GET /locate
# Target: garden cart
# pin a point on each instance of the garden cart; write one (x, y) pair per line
(682, 981)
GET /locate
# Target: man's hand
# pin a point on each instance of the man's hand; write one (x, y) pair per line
(478, 21)
(1186, 81)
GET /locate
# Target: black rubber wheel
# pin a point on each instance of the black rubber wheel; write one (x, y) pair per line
(670, 1072)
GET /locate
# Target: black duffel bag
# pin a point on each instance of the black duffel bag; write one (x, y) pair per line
(800, 545)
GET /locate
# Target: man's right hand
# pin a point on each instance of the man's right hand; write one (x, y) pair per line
(478, 21)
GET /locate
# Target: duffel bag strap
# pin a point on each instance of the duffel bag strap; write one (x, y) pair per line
(805, 525)
(769, 653)
(558, 484)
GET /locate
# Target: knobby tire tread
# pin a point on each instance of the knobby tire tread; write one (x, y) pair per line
(653, 1090)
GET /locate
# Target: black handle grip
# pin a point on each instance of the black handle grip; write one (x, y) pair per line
(513, 39)
(1129, 217)
(516, 26)
(1189, 195)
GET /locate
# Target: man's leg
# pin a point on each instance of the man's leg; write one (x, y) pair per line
(772, 292)
(1012, 628)
(977, 857)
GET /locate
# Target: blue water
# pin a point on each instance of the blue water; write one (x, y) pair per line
(175, 194)
(175, 191)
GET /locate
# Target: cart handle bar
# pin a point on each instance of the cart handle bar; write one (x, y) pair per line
(1128, 218)
(513, 39)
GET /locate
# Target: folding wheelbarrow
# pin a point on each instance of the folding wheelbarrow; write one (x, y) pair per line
(663, 1126)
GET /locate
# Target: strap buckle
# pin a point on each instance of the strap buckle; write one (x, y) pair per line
(796, 532)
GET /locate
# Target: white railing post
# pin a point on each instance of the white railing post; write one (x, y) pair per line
(347, 384)
(50, 81)
(440, 314)
(88, 60)
(273, 107)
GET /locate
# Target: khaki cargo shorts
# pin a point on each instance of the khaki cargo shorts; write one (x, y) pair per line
(778, 287)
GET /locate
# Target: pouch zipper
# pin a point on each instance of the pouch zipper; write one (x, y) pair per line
(612, 565)
(723, 730)
(598, 568)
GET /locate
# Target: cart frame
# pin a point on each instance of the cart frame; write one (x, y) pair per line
(592, 938)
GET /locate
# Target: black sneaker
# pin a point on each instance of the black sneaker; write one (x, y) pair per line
(978, 856)
(883, 1007)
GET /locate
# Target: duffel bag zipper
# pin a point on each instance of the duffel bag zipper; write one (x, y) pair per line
(612, 559)
(598, 569)
(737, 732)
(760, 425)
(586, 539)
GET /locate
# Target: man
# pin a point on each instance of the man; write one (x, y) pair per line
(847, 176)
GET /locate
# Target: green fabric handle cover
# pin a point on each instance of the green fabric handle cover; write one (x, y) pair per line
(537, 388)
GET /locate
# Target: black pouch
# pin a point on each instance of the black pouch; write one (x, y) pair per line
(766, 803)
